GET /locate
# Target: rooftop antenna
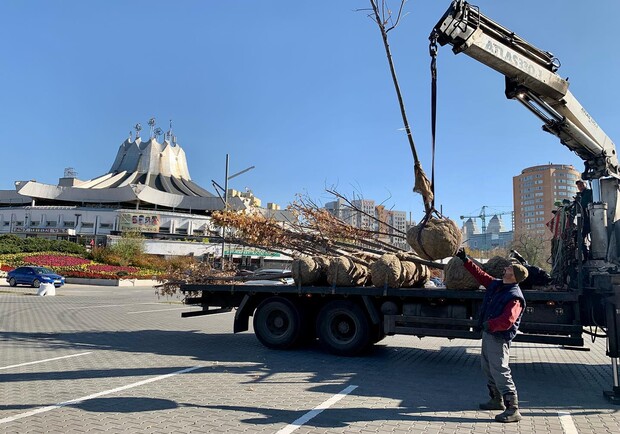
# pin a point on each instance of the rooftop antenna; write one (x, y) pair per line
(169, 133)
(152, 125)
(138, 128)
(70, 173)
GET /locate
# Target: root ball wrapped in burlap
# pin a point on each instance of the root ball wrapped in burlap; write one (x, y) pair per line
(344, 272)
(387, 271)
(392, 272)
(414, 275)
(495, 266)
(457, 277)
(310, 270)
(438, 238)
(305, 270)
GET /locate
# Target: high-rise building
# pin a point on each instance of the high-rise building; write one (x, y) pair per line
(535, 192)
(390, 224)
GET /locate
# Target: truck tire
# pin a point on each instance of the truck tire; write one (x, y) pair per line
(278, 323)
(343, 328)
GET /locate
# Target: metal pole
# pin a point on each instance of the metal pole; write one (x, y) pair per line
(614, 367)
(225, 206)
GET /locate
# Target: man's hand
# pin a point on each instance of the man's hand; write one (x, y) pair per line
(462, 255)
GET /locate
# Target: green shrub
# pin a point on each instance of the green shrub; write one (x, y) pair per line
(152, 262)
(13, 244)
(130, 246)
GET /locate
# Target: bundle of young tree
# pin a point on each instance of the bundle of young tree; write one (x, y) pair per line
(435, 238)
(328, 249)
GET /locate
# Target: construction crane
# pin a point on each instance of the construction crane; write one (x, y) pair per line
(483, 217)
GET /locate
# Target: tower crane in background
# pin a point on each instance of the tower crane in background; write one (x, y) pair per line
(483, 217)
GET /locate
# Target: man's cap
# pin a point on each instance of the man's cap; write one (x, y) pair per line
(519, 271)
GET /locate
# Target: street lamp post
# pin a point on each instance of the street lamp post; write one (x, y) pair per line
(226, 179)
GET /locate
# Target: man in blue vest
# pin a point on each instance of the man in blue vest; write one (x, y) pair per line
(500, 315)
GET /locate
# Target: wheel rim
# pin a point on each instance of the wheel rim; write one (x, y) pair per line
(12, 282)
(343, 328)
(36, 283)
(278, 323)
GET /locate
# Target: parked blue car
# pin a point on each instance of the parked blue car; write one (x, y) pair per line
(34, 276)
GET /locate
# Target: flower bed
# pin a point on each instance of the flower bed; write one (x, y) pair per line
(55, 260)
(74, 266)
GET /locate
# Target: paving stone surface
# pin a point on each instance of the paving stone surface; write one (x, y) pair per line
(120, 350)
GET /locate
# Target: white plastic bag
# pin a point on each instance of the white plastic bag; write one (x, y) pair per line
(47, 289)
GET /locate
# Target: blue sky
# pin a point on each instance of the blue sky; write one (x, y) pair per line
(301, 90)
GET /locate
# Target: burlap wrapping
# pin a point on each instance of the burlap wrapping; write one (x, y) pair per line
(387, 271)
(344, 272)
(495, 266)
(395, 273)
(457, 277)
(305, 270)
(323, 263)
(310, 270)
(438, 238)
(411, 274)
(424, 275)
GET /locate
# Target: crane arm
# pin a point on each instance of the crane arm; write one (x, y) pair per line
(532, 80)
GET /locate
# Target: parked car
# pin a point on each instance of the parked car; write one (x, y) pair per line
(437, 281)
(270, 276)
(34, 276)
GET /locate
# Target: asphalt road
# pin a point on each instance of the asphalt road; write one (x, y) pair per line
(122, 360)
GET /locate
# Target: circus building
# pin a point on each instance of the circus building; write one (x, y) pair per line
(147, 189)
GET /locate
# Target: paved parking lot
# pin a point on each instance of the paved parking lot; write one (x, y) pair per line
(96, 359)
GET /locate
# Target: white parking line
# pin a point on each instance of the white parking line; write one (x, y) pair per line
(160, 310)
(316, 411)
(94, 395)
(42, 361)
(567, 423)
(107, 305)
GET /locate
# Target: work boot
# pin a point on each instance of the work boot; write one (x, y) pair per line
(511, 414)
(495, 403)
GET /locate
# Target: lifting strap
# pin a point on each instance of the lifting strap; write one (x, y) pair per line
(433, 52)
(432, 48)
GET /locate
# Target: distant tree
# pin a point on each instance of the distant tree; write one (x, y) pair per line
(535, 249)
(129, 247)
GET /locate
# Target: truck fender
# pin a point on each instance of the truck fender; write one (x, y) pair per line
(373, 313)
(242, 316)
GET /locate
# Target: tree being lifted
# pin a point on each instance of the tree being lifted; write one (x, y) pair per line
(435, 237)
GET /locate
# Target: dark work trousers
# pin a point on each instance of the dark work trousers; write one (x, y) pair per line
(495, 357)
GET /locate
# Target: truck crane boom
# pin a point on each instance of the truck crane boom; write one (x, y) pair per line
(532, 80)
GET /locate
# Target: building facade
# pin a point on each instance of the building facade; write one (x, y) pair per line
(148, 190)
(365, 214)
(495, 235)
(535, 192)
